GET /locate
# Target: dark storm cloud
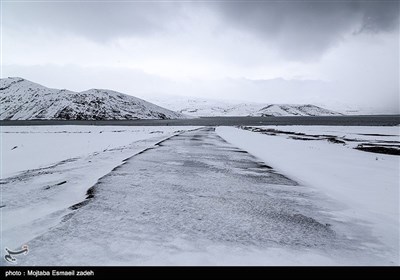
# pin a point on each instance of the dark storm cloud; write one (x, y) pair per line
(307, 28)
(298, 29)
(380, 16)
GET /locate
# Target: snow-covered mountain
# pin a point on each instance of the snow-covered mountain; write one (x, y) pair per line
(293, 110)
(211, 108)
(24, 100)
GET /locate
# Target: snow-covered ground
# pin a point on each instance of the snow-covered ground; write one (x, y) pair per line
(30, 147)
(363, 185)
(191, 199)
(46, 169)
(277, 195)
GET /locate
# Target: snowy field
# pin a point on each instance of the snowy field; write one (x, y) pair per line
(46, 169)
(32, 147)
(271, 195)
(363, 185)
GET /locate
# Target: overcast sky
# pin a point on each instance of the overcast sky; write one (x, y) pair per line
(332, 53)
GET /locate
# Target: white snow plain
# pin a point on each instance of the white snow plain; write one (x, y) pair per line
(38, 158)
(30, 147)
(363, 185)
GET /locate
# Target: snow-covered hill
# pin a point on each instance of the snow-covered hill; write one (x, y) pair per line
(210, 108)
(293, 110)
(24, 100)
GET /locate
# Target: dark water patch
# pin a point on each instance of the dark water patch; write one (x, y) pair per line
(379, 150)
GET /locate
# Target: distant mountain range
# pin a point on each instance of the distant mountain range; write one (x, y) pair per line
(24, 100)
(205, 107)
(294, 110)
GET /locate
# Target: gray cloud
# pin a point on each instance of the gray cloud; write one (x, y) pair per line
(380, 16)
(99, 21)
(299, 29)
(307, 28)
